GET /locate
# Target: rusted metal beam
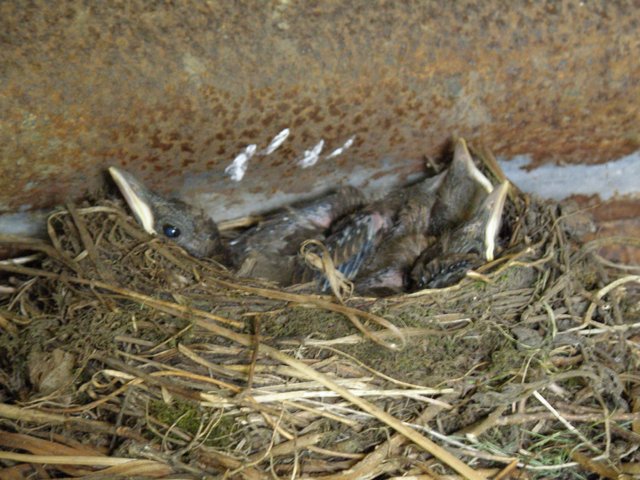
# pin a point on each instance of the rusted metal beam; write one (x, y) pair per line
(174, 92)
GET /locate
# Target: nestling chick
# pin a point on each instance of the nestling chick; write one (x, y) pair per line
(464, 248)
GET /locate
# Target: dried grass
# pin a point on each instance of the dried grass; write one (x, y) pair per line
(124, 357)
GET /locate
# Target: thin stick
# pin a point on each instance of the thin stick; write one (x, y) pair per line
(77, 460)
(565, 422)
(82, 424)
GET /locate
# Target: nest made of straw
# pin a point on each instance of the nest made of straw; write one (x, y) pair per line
(124, 356)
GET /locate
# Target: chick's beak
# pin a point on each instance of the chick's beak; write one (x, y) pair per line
(493, 207)
(137, 196)
(462, 155)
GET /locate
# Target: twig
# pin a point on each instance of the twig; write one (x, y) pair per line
(566, 423)
(601, 293)
(77, 423)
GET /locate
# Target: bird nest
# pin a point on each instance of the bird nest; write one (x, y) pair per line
(122, 356)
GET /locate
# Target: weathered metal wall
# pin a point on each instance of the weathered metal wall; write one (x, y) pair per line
(169, 89)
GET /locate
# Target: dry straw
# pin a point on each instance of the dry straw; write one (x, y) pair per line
(123, 356)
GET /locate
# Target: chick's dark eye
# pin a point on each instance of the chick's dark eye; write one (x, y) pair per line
(171, 231)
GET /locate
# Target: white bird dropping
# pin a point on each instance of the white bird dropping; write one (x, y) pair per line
(238, 168)
(276, 142)
(342, 149)
(311, 157)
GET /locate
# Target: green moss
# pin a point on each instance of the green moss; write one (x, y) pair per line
(184, 415)
(191, 419)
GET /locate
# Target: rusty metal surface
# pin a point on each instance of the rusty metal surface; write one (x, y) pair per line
(615, 218)
(165, 90)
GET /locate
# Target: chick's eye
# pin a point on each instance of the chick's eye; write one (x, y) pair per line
(171, 231)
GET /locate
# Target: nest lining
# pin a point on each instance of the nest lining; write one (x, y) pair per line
(120, 347)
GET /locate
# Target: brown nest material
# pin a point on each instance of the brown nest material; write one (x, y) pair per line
(124, 357)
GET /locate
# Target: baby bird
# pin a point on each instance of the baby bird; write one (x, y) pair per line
(172, 219)
(389, 271)
(266, 251)
(270, 249)
(464, 248)
(377, 246)
(463, 188)
(363, 240)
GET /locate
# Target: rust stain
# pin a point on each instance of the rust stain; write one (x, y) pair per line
(618, 217)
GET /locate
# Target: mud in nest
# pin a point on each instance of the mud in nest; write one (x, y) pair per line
(123, 356)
